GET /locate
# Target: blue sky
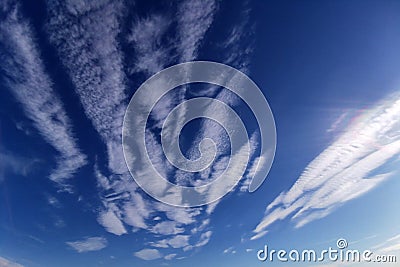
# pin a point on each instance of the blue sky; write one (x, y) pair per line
(329, 70)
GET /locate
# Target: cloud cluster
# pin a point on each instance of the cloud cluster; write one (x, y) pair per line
(86, 36)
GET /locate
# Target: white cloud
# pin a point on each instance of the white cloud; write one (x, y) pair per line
(180, 215)
(53, 201)
(102, 181)
(338, 122)
(88, 244)
(136, 211)
(204, 239)
(348, 164)
(146, 35)
(148, 254)
(230, 250)
(259, 235)
(109, 220)
(194, 19)
(27, 79)
(8, 263)
(187, 248)
(202, 226)
(160, 244)
(89, 49)
(167, 228)
(170, 256)
(179, 241)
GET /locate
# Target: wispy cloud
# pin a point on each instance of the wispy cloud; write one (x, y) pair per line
(204, 239)
(391, 248)
(58, 222)
(53, 201)
(16, 164)
(351, 163)
(146, 38)
(336, 124)
(25, 75)
(258, 235)
(88, 244)
(230, 250)
(394, 238)
(390, 245)
(86, 38)
(239, 44)
(194, 19)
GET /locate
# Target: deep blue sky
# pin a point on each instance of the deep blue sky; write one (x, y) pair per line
(329, 70)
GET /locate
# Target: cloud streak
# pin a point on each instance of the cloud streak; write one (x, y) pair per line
(351, 163)
(194, 19)
(25, 75)
(390, 245)
(86, 38)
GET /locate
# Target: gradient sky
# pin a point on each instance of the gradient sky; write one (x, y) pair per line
(330, 71)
